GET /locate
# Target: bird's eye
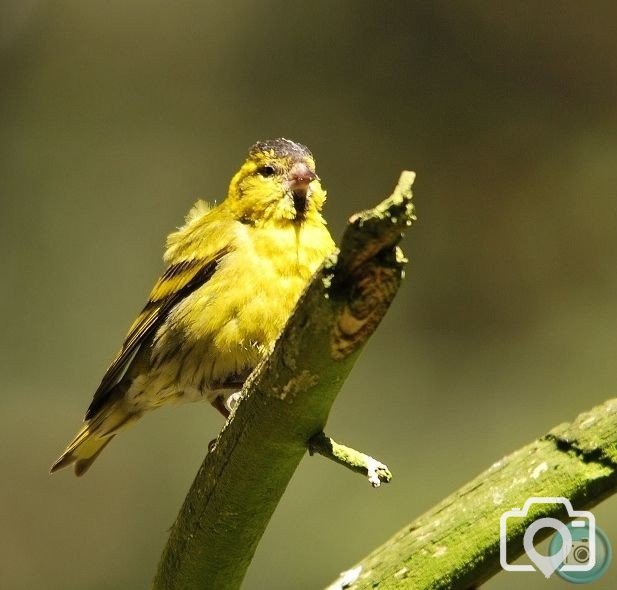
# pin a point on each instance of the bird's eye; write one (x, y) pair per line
(266, 171)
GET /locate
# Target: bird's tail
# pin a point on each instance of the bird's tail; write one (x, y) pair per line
(95, 435)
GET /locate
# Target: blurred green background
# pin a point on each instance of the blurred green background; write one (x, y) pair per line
(115, 116)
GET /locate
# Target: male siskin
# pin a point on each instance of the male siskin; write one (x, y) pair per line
(234, 273)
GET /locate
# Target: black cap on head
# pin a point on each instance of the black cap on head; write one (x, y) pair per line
(281, 147)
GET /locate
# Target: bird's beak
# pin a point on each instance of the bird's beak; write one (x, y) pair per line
(300, 177)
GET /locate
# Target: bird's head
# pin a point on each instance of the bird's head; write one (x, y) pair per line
(277, 184)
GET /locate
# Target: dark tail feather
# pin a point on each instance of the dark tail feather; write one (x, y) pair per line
(93, 438)
(81, 455)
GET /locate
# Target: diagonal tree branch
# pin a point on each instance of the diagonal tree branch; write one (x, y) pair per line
(376, 471)
(286, 402)
(455, 545)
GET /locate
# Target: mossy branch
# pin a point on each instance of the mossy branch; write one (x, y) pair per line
(455, 545)
(376, 471)
(286, 402)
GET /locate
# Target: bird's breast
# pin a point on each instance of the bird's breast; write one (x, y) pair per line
(232, 321)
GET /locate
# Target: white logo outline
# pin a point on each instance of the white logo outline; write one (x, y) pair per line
(556, 560)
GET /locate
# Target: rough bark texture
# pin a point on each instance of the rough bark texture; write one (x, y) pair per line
(286, 402)
(455, 545)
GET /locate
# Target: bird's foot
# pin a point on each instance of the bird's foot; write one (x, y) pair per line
(231, 403)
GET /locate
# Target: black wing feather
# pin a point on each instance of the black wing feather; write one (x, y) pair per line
(178, 281)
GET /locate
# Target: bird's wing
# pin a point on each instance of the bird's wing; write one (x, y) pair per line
(178, 281)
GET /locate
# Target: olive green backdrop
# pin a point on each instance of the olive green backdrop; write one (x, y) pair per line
(115, 116)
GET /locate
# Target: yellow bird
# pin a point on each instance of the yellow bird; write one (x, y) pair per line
(234, 274)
